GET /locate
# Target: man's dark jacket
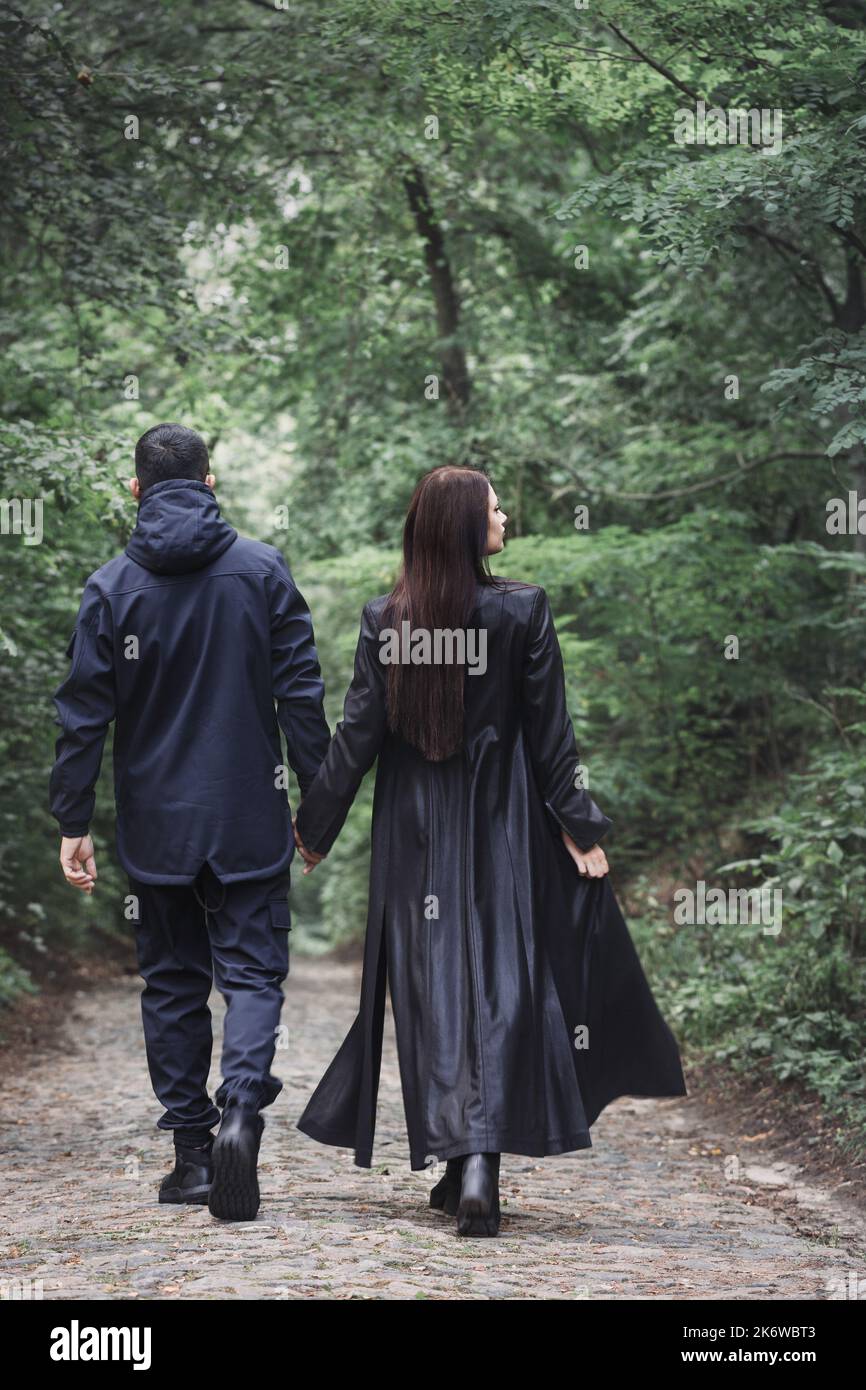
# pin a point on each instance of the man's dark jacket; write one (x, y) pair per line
(195, 641)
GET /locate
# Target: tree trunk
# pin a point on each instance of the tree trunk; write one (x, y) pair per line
(455, 375)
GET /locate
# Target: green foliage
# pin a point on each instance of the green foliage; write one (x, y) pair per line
(251, 261)
(790, 1005)
(816, 855)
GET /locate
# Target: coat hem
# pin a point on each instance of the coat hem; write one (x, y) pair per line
(184, 880)
(654, 1094)
(502, 1143)
(505, 1144)
(363, 1157)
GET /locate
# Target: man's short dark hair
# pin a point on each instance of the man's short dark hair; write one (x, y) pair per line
(170, 451)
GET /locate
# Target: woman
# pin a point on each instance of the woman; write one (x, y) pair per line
(520, 1005)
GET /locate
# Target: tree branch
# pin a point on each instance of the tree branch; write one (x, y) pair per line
(651, 62)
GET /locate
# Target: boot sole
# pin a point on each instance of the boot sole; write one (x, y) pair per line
(234, 1192)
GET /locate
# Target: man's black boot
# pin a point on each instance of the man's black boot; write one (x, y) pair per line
(445, 1196)
(234, 1191)
(478, 1210)
(190, 1179)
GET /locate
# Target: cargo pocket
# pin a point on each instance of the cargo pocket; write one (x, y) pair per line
(281, 921)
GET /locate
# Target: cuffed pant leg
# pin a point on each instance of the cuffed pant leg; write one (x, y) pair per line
(174, 959)
(249, 935)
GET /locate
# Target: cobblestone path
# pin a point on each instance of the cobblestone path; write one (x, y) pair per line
(664, 1205)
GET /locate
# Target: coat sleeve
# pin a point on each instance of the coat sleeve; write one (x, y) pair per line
(550, 734)
(353, 749)
(298, 687)
(85, 705)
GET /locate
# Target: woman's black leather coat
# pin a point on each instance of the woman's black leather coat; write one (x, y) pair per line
(520, 1005)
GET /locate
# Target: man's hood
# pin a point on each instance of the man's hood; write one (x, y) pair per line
(179, 528)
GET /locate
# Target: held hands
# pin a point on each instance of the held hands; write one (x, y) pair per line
(309, 856)
(592, 862)
(77, 862)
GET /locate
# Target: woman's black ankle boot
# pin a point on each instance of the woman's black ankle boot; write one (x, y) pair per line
(478, 1208)
(446, 1194)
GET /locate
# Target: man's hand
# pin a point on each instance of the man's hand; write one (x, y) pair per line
(77, 862)
(309, 856)
(592, 862)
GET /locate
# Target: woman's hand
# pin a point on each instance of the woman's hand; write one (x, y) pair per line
(592, 862)
(309, 856)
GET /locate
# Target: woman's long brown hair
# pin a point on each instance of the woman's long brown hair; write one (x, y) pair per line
(444, 560)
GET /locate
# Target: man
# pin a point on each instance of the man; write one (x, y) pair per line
(196, 642)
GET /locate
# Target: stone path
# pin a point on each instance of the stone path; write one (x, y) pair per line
(662, 1206)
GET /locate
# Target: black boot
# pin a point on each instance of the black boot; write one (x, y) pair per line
(234, 1192)
(190, 1179)
(445, 1196)
(478, 1210)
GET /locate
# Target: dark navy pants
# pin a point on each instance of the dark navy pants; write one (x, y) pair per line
(187, 938)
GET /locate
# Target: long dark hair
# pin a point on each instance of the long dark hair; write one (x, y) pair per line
(444, 559)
